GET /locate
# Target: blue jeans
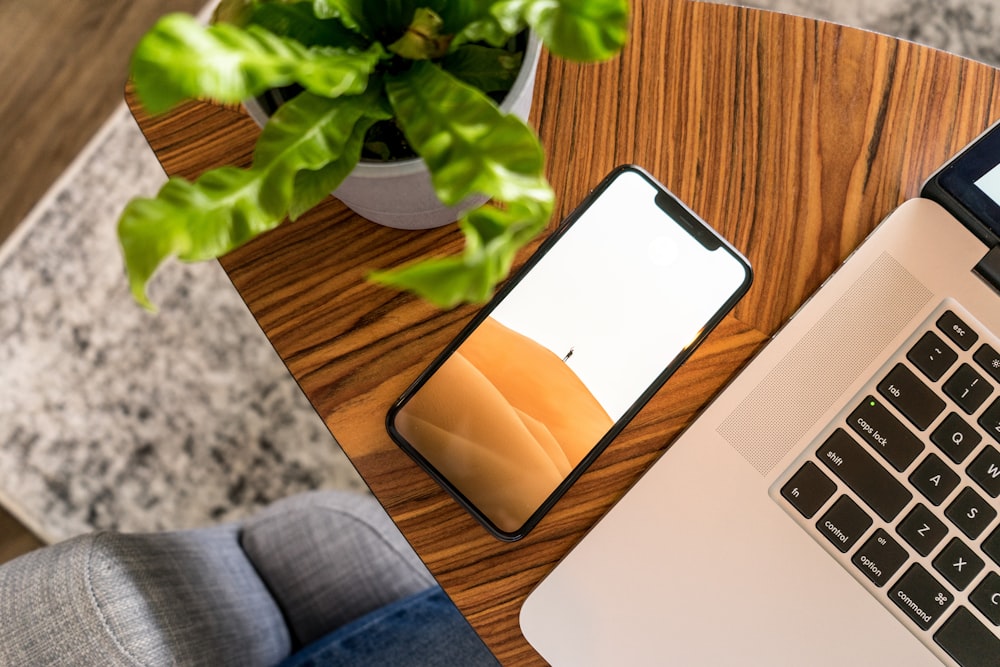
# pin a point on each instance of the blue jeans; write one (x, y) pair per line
(424, 629)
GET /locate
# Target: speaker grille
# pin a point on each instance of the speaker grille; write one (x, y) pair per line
(820, 367)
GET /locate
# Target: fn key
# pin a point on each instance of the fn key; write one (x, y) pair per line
(808, 489)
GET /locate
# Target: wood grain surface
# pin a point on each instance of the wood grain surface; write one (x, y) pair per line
(792, 137)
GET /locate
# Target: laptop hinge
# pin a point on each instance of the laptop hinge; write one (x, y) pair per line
(989, 267)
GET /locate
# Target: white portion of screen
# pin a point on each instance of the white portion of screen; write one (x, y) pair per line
(625, 289)
(990, 184)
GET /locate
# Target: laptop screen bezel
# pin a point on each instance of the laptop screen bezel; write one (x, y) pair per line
(954, 186)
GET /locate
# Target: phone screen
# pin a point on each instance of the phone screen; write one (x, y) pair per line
(559, 362)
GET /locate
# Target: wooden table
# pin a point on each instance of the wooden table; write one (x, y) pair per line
(791, 136)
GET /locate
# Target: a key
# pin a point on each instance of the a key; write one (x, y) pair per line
(968, 388)
(957, 330)
(968, 641)
(991, 546)
(955, 437)
(911, 396)
(921, 596)
(880, 557)
(922, 530)
(932, 356)
(844, 524)
(887, 435)
(971, 513)
(866, 476)
(808, 489)
(989, 360)
(990, 419)
(986, 597)
(985, 470)
(958, 564)
(934, 479)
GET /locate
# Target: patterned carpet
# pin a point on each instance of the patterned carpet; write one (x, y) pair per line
(112, 418)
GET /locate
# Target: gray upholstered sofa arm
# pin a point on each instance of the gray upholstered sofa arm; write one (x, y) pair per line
(241, 595)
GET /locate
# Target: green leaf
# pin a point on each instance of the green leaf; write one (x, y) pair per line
(236, 12)
(307, 134)
(423, 39)
(313, 142)
(296, 20)
(381, 20)
(488, 69)
(582, 30)
(190, 221)
(179, 59)
(492, 238)
(457, 14)
(468, 144)
(349, 12)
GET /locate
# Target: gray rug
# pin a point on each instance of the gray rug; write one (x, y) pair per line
(112, 418)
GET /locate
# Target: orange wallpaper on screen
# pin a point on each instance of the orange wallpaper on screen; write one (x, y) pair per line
(505, 420)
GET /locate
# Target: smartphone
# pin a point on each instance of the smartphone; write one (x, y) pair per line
(568, 351)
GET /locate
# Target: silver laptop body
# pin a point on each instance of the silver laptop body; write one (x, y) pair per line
(709, 560)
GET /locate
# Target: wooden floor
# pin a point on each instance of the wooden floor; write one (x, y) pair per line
(64, 65)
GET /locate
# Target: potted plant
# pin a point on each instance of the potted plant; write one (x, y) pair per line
(385, 78)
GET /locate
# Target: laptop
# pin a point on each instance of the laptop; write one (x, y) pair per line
(837, 504)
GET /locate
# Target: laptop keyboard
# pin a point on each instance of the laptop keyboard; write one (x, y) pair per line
(903, 488)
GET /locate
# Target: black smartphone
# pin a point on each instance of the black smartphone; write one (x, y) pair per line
(560, 360)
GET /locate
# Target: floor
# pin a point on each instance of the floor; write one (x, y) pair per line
(64, 66)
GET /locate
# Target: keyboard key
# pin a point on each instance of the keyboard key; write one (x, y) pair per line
(866, 476)
(921, 596)
(911, 396)
(968, 641)
(986, 597)
(990, 419)
(844, 524)
(934, 479)
(958, 564)
(989, 360)
(955, 437)
(922, 530)
(971, 513)
(808, 489)
(932, 356)
(968, 388)
(992, 546)
(957, 330)
(886, 434)
(880, 558)
(985, 470)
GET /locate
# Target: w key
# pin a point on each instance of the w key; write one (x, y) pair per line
(911, 396)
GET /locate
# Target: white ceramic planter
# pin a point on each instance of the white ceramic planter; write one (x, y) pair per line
(399, 194)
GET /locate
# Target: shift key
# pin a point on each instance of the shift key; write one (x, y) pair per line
(864, 475)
